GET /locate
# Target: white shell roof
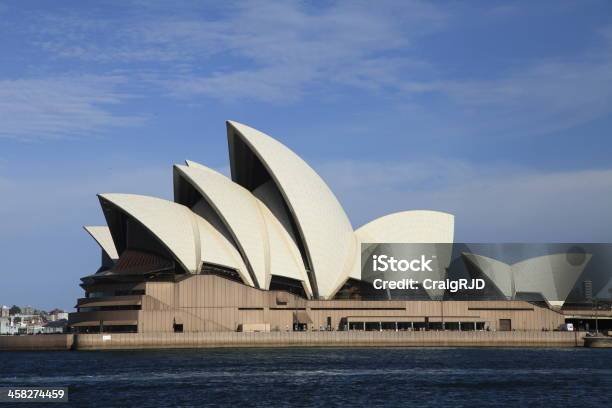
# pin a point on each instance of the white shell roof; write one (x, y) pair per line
(550, 275)
(173, 224)
(410, 227)
(269, 195)
(239, 211)
(284, 256)
(217, 249)
(268, 231)
(498, 272)
(323, 225)
(418, 226)
(102, 235)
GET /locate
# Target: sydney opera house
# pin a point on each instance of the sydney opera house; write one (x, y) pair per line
(271, 249)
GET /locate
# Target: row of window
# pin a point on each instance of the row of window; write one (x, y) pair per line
(102, 294)
(105, 329)
(416, 326)
(109, 308)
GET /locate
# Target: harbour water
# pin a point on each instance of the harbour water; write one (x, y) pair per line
(326, 377)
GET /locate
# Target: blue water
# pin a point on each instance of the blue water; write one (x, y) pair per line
(319, 377)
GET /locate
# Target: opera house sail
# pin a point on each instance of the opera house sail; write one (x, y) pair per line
(270, 248)
(548, 277)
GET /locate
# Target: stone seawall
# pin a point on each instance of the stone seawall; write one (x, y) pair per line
(328, 339)
(44, 342)
(598, 342)
(137, 341)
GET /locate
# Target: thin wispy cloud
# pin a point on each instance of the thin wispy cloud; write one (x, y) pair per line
(60, 107)
(292, 51)
(537, 206)
(544, 97)
(280, 48)
(285, 52)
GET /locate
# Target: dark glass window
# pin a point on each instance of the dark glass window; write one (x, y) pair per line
(224, 272)
(284, 284)
(418, 326)
(105, 329)
(356, 326)
(454, 326)
(468, 326)
(404, 325)
(435, 326)
(107, 308)
(359, 290)
(113, 293)
(372, 326)
(388, 326)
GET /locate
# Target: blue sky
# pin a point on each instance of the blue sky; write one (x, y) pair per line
(498, 112)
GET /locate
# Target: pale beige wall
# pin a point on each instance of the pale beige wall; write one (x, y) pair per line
(205, 302)
(333, 339)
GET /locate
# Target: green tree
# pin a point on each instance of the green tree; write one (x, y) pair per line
(14, 310)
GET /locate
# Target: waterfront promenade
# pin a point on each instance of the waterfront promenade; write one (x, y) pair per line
(135, 341)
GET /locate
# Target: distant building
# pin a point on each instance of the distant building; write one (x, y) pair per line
(32, 329)
(27, 310)
(57, 314)
(4, 325)
(56, 326)
(7, 327)
(32, 321)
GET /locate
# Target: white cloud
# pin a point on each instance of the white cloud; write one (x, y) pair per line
(57, 107)
(494, 203)
(267, 84)
(280, 52)
(292, 50)
(544, 97)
